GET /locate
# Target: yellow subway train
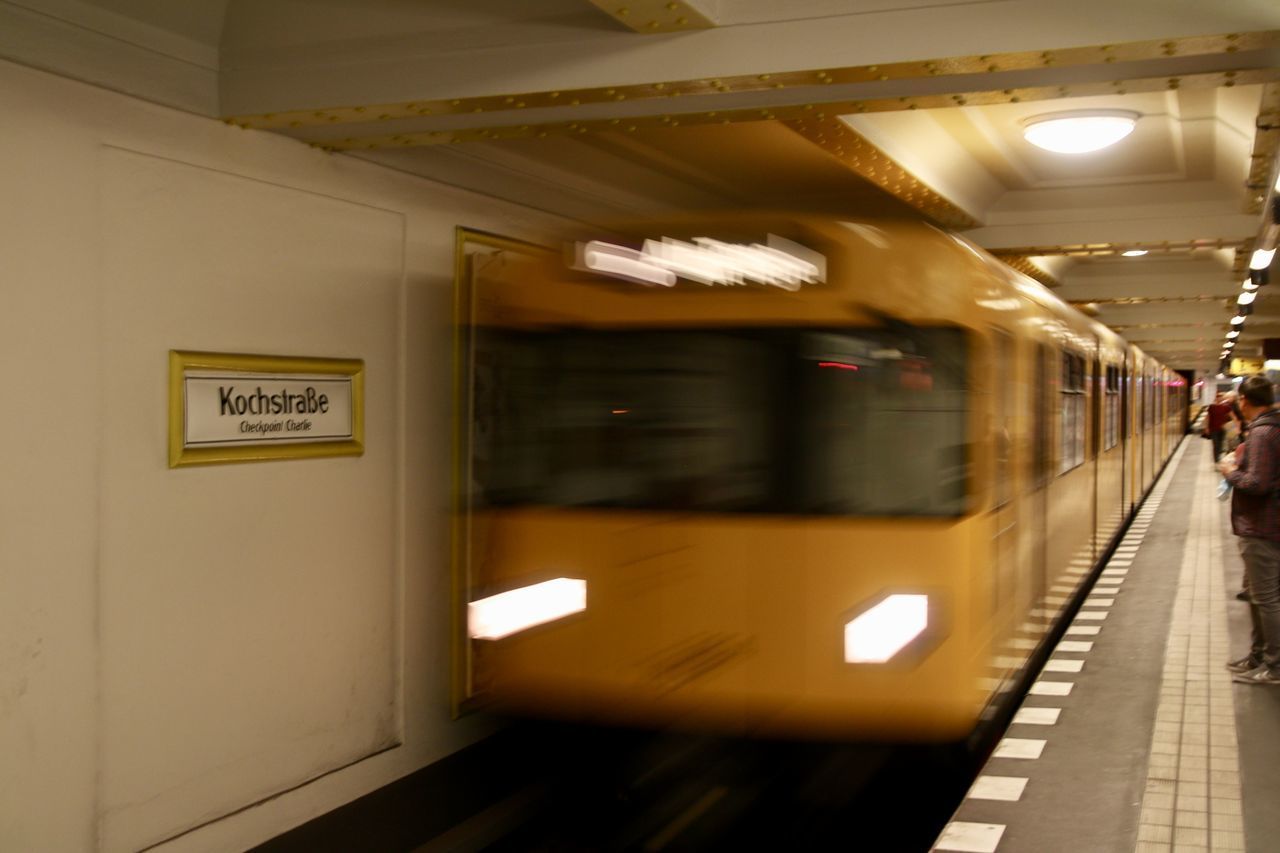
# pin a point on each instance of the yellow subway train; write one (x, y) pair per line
(783, 476)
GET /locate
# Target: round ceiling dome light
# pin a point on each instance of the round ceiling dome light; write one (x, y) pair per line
(1079, 131)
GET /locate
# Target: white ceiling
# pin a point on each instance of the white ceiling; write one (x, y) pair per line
(835, 105)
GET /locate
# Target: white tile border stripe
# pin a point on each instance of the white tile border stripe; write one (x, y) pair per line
(965, 837)
(1051, 688)
(1036, 716)
(1006, 788)
(1019, 747)
(1060, 665)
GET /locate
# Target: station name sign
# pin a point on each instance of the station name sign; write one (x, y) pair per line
(239, 408)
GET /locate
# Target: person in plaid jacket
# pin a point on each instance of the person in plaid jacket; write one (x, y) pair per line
(1255, 519)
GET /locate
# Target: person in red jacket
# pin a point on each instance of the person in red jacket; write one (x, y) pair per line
(1216, 424)
(1255, 519)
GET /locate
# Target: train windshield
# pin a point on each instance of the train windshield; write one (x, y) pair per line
(868, 421)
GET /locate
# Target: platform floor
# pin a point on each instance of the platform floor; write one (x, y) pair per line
(1134, 737)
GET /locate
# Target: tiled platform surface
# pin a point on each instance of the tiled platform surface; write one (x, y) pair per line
(1134, 738)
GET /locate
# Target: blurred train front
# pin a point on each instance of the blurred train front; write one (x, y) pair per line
(755, 506)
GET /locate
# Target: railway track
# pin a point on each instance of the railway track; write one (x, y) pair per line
(620, 790)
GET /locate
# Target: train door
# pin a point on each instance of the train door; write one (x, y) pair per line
(1042, 390)
(1159, 391)
(1094, 401)
(1139, 424)
(1126, 445)
(1134, 431)
(1004, 545)
(1151, 439)
(1112, 503)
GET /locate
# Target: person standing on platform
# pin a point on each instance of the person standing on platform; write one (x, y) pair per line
(1234, 432)
(1216, 424)
(1255, 519)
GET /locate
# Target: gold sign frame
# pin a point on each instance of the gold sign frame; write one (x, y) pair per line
(183, 362)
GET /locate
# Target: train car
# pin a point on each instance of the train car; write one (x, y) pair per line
(782, 476)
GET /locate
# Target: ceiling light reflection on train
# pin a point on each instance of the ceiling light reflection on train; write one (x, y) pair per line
(516, 610)
(780, 263)
(1261, 259)
(880, 632)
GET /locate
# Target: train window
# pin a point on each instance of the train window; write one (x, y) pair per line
(1094, 397)
(1148, 396)
(1111, 408)
(627, 419)
(1126, 395)
(1161, 399)
(1139, 401)
(1157, 400)
(866, 422)
(1072, 413)
(1040, 426)
(887, 437)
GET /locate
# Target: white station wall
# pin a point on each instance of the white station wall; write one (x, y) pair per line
(179, 646)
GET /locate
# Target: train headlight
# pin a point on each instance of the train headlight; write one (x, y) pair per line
(516, 610)
(883, 630)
